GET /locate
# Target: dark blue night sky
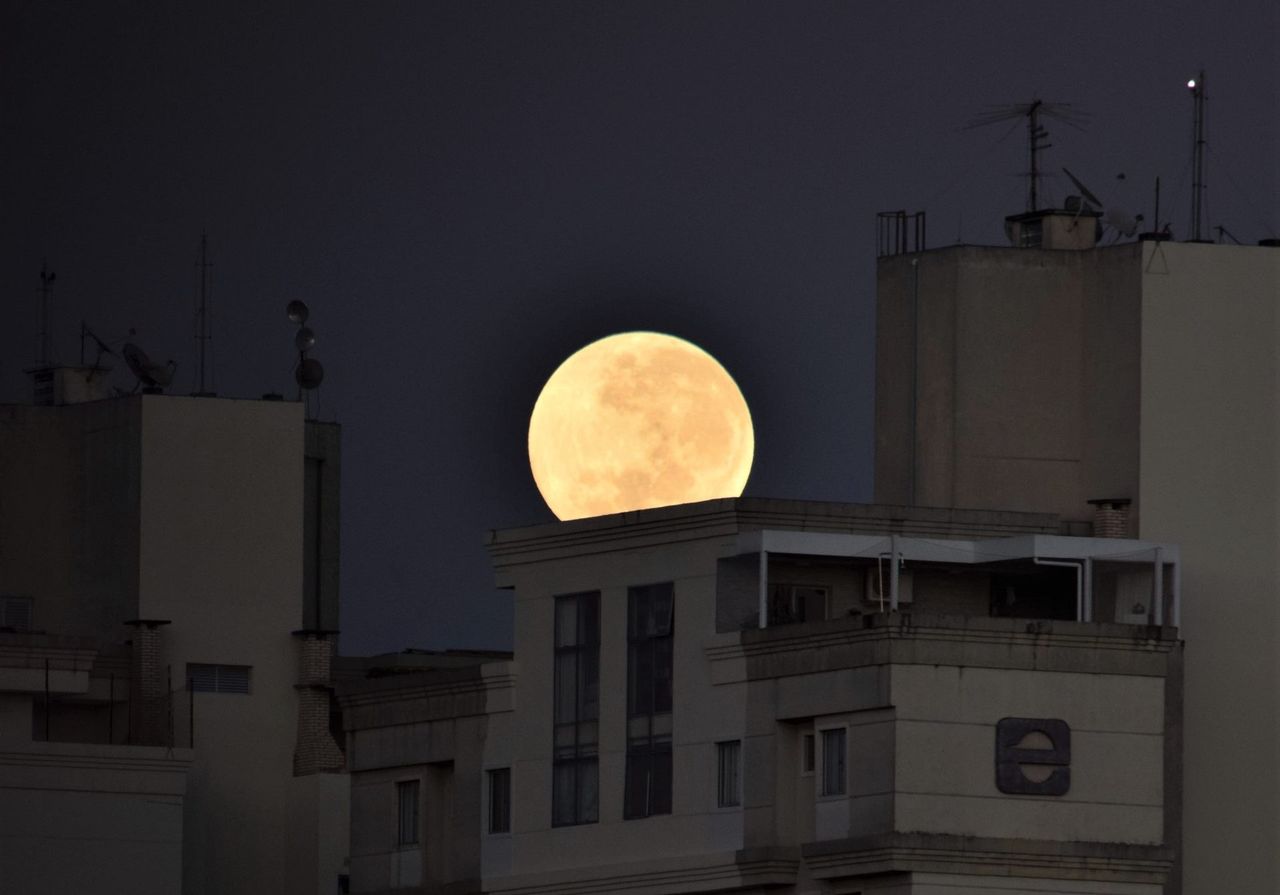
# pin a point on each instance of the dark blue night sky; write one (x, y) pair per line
(465, 193)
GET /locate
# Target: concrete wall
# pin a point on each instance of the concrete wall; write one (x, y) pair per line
(84, 818)
(1209, 452)
(946, 718)
(1022, 371)
(221, 557)
(69, 477)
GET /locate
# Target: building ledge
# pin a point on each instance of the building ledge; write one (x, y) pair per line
(942, 853)
(916, 638)
(747, 870)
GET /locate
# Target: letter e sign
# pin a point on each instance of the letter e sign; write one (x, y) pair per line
(1011, 755)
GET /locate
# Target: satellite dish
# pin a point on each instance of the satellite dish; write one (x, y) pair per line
(309, 374)
(305, 340)
(1084, 190)
(150, 374)
(1121, 221)
(297, 311)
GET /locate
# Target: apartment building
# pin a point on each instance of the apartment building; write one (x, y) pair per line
(168, 574)
(748, 695)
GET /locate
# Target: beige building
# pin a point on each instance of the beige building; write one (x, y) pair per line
(173, 560)
(749, 695)
(1144, 377)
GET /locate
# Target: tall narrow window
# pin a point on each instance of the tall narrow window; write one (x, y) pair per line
(729, 774)
(500, 800)
(575, 770)
(650, 611)
(833, 762)
(407, 824)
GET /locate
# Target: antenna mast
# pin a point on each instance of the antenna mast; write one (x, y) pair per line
(1196, 86)
(204, 334)
(44, 344)
(1036, 133)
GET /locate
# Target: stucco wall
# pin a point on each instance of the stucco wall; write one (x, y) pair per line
(1210, 480)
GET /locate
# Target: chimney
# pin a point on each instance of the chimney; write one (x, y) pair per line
(315, 751)
(148, 692)
(1111, 517)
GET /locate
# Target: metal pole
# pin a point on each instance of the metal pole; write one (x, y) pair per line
(168, 678)
(1197, 155)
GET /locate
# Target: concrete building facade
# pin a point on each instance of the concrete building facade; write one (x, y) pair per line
(749, 695)
(177, 541)
(1142, 377)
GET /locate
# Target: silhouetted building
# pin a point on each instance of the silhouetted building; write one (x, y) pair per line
(168, 572)
(755, 695)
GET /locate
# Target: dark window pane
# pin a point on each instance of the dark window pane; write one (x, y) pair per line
(589, 618)
(566, 707)
(660, 780)
(566, 621)
(588, 791)
(662, 660)
(563, 801)
(637, 785)
(728, 782)
(500, 800)
(576, 697)
(833, 752)
(407, 810)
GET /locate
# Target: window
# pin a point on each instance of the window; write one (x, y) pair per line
(794, 603)
(500, 800)
(650, 611)
(218, 678)
(833, 762)
(407, 823)
(729, 774)
(806, 753)
(576, 710)
(15, 613)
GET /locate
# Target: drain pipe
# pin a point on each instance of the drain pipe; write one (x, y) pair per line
(1157, 586)
(893, 573)
(1069, 564)
(764, 588)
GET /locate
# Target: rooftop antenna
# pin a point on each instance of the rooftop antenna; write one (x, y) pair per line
(309, 372)
(1198, 97)
(1033, 111)
(44, 344)
(204, 332)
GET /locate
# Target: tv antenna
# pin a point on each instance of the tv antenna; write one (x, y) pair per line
(1033, 111)
(204, 330)
(44, 343)
(1198, 97)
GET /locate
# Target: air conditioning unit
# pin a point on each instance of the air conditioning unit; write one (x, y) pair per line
(878, 580)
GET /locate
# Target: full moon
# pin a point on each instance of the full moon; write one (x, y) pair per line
(638, 420)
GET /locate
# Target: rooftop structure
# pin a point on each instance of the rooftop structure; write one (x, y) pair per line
(741, 695)
(1132, 387)
(168, 580)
